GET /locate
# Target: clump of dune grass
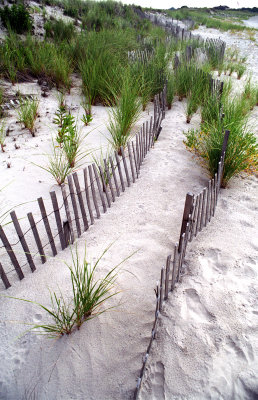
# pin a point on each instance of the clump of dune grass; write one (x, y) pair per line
(88, 295)
(125, 113)
(102, 160)
(206, 142)
(240, 70)
(27, 113)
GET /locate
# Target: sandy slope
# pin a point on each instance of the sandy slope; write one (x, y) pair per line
(103, 359)
(207, 337)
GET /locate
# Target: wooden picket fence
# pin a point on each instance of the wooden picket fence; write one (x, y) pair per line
(198, 211)
(84, 199)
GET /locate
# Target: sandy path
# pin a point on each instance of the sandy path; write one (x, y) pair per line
(103, 359)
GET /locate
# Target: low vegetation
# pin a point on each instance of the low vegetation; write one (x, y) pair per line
(88, 295)
(27, 113)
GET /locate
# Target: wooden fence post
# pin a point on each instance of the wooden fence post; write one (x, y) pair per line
(187, 211)
(11, 254)
(4, 278)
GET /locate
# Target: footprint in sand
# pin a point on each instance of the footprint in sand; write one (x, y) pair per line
(156, 381)
(194, 309)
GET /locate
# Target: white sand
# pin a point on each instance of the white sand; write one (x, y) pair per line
(212, 343)
(207, 345)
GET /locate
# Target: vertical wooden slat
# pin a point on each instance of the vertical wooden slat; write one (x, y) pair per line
(109, 180)
(67, 233)
(135, 160)
(199, 216)
(58, 219)
(23, 241)
(47, 226)
(215, 193)
(86, 184)
(187, 211)
(81, 203)
(125, 166)
(195, 212)
(99, 188)
(212, 197)
(151, 133)
(114, 176)
(37, 238)
(138, 154)
(203, 211)
(4, 278)
(161, 288)
(131, 160)
(11, 254)
(208, 203)
(104, 186)
(167, 276)
(182, 238)
(74, 204)
(175, 263)
(147, 137)
(67, 211)
(120, 171)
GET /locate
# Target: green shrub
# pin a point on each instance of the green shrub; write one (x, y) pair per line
(16, 17)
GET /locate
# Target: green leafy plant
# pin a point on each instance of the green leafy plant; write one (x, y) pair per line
(88, 295)
(27, 113)
(86, 119)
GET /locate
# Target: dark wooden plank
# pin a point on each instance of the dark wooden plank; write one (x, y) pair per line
(199, 216)
(225, 143)
(105, 189)
(131, 160)
(167, 276)
(81, 202)
(58, 219)
(109, 180)
(11, 254)
(151, 132)
(208, 203)
(125, 166)
(212, 197)
(67, 233)
(161, 288)
(147, 137)
(182, 239)
(74, 204)
(195, 213)
(144, 139)
(99, 188)
(86, 184)
(4, 278)
(23, 242)
(216, 191)
(187, 211)
(120, 171)
(47, 226)
(93, 191)
(175, 266)
(203, 211)
(37, 238)
(114, 176)
(137, 146)
(135, 160)
(67, 211)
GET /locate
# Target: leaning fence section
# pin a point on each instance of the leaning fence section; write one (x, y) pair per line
(198, 212)
(30, 240)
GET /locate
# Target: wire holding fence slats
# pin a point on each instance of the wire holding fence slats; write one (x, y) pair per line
(77, 204)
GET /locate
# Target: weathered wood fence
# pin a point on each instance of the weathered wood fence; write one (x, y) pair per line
(87, 195)
(198, 211)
